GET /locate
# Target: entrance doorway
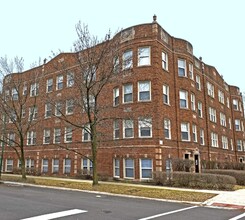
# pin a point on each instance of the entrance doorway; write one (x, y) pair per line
(196, 159)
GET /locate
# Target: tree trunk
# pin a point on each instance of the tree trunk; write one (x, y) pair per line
(94, 155)
(23, 167)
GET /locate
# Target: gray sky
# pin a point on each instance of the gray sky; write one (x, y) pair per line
(216, 28)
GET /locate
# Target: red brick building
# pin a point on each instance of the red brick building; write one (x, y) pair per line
(171, 105)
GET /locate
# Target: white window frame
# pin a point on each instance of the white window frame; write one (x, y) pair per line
(128, 124)
(57, 136)
(86, 133)
(167, 128)
(68, 135)
(237, 125)
(49, 85)
(9, 165)
(212, 114)
(55, 165)
(185, 130)
(222, 119)
(46, 136)
(87, 166)
(58, 108)
(116, 167)
(182, 68)
(194, 132)
(210, 88)
(34, 89)
(48, 110)
(67, 166)
(202, 140)
(221, 97)
(116, 129)
(59, 82)
(191, 73)
(164, 60)
(183, 99)
(239, 145)
(199, 109)
(193, 102)
(31, 138)
(144, 56)
(128, 167)
(33, 113)
(224, 140)
(69, 106)
(198, 82)
(166, 94)
(146, 168)
(144, 87)
(235, 104)
(145, 123)
(116, 95)
(15, 95)
(214, 140)
(128, 92)
(44, 165)
(127, 60)
(70, 79)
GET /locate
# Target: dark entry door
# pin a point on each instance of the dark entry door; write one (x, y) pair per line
(196, 163)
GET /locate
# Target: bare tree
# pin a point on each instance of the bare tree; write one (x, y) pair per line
(94, 69)
(15, 101)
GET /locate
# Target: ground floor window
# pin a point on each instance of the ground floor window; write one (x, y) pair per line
(55, 166)
(116, 167)
(29, 163)
(129, 168)
(87, 166)
(45, 165)
(146, 168)
(9, 165)
(67, 166)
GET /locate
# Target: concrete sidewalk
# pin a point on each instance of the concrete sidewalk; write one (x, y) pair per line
(234, 200)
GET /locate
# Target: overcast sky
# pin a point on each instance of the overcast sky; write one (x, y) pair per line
(216, 28)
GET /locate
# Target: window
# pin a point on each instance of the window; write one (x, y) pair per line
(198, 82)
(237, 125)
(49, 85)
(145, 127)
(129, 168)
(23, 113)
(228, 102)
(144, 91)
(46, 136)
(239, 145)
(183, 99)
(212, 114)
(12, 116)
(164, 61)
(193, 102)
(145, 168)
(115, 96)
(31, 138)
(116, 129)
(24, 89)
(181, 67)
(210, 88)
(194, 133)
(87, 166)
(68, 135)
(144, 56)
(45, 165)
(116, 167)
(86, 134)
(34, 89)
(48, 110)
(9, 165)
(58, 109)
(57, 135)
(127, 59)
(89, 104)
(29, 163)
(229, 120)
(59, 82)
(235, 104)
(224, 140)
(128, 128)
(67, 166)
(222, 119)
(11, 139)
(55, 166)
(70, 79)
(7, 95)
(221, 97)
(191, 75)
(69, 106)
(214, 140)
(32, 113)
(199, 109)
(166, 94)
(167, 128)
(185, 131)
(116, 64)
(127, 93)
(202, 137)
(232, 147)
(15, 95)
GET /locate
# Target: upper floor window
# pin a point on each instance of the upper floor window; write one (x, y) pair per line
(194, 133)
(34, 89)
(167, 128)
(199, 109)
(228, 102)
(59, 82)
(144, 56)
(58, 108)
(210, 88)
(116, 129)
(69, 106)
(68, 135)
(115, 96)
(222, 119)
(144, 91)
(193, 102)
(48, 110)
(191, 75)
(128, 128)
(239, 145)
(182, 67)
(46, 136)
(15, 95)
(31, 138)
(214, 140)
(183, 99)
(145, 127)
(116, 64)
(164, 61)
(127, 59)
(128, 93)
(235, 104)
(212, 114)
(57, 135)
(86, 134)
(70, 79)
(185, 131)
(32, 113)
(237, 125)
(198, 82)
(202, 137)
(224, 141)
(221, 97)
(49, 86)
(166, 94)
(24, 89)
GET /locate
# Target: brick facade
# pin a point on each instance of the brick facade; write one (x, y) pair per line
(167, 66)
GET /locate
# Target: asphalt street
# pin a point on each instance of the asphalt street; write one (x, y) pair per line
(35, 203)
